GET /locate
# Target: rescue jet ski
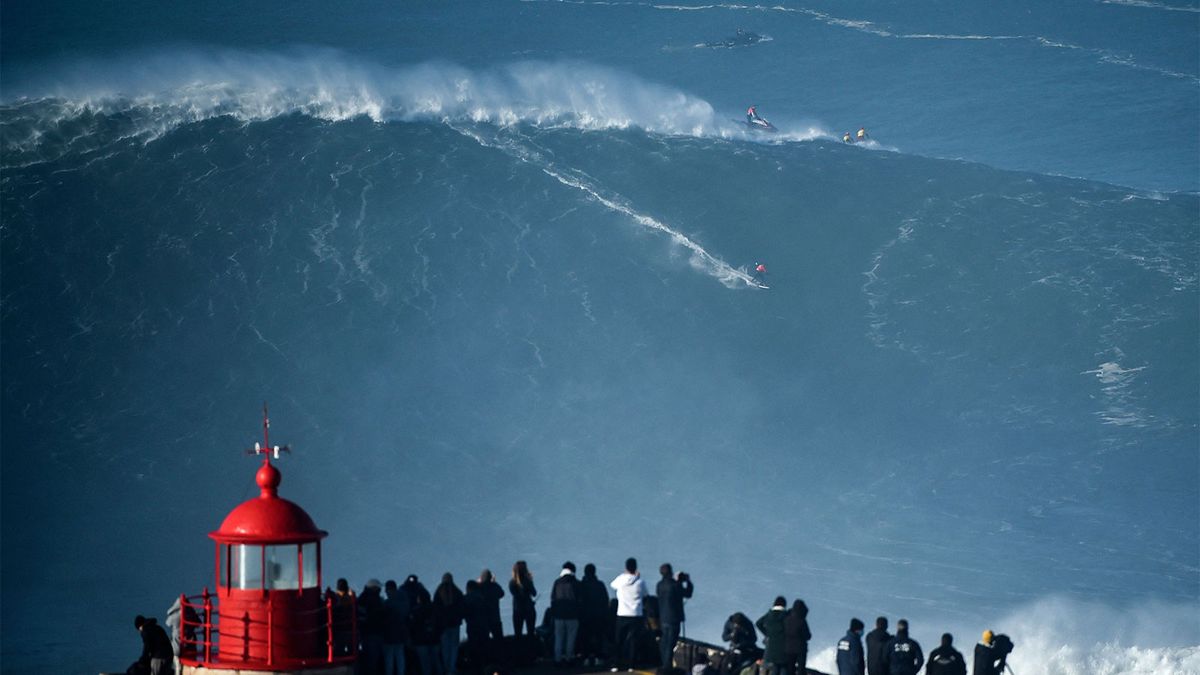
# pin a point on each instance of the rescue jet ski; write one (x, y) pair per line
(760, 124)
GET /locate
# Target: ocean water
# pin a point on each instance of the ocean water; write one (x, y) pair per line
(488, 263)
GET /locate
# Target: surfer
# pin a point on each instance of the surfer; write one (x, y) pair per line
(847, 138)
(760, 274)
(862, 134)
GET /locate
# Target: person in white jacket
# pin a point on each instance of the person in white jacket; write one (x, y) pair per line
(631, 591)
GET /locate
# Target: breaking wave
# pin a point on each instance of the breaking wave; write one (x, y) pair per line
(144, 98)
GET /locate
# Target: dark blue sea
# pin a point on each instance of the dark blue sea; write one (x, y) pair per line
(490, 266)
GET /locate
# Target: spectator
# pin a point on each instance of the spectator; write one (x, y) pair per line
(796, 637)
(394, 636)
(448, 613)
(631, 592)
(524, 594)
(156, 646)
(671, 591)
(772, 626)
(850, 659)
(492, 593)
(593, 615)
(477, 617)
(877, 641)
(564, 608)
(371, 623)
(425, 634)
(904, 654)
(343, 600)
(742, 639)
(946, 660)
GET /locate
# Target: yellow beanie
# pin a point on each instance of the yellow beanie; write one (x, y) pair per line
(987, 637)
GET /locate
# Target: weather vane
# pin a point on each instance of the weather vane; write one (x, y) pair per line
(265, 446)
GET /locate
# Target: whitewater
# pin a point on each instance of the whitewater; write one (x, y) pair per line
(501, 310)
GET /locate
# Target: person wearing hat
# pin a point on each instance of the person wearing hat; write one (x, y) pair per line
(157, 653)
(985, 655)
(904, 654)
(946, 660)
(371, 620)
(850, 659)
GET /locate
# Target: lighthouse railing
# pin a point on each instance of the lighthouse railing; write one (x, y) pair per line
(201, 633)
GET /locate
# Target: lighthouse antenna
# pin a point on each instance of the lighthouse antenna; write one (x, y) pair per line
(266, 448)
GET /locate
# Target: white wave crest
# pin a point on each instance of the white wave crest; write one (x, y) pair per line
(155, 94)
(1060, 636)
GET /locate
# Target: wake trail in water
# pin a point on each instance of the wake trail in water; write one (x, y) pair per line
(700, 259)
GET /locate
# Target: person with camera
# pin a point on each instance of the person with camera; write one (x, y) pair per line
(671, 591)
(991, 654)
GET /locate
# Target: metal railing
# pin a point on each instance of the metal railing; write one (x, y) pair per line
(204, 630)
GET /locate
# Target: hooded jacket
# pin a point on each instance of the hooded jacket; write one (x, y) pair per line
(631, 590)
(739, 632)
(772, 626)
(564, 597)
(904, 655)
(795, 629)
(155, 643)
(593, 597)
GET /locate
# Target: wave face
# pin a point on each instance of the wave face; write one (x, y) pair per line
(506, 314)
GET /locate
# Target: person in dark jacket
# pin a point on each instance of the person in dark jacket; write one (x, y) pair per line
(371, 622)
(991, 654)
(742, 639)
(671, 592)
(564, 608)
(524, 594)
(343, 600)
(876, 644)
(157, 654)
(774, 637)
(477, 616)
(903, 653)
(396, 609)
(492, 593)
(739, 632)
(448, 612)
(850, 659)
(593, 616)
(946, 660)
(424, 631)
(795, 637)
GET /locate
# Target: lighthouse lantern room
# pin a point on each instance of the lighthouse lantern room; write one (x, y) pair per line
(268, 614)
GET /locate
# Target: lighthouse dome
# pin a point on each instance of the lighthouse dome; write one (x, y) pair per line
(268, 518)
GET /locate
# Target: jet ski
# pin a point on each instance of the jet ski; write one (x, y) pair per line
(760, 124)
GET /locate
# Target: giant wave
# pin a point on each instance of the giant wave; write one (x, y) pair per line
(469, 288)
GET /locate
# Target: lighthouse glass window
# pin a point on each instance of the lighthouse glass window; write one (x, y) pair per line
(281, 565)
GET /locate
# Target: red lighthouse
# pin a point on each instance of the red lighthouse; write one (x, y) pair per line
(268, 613)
